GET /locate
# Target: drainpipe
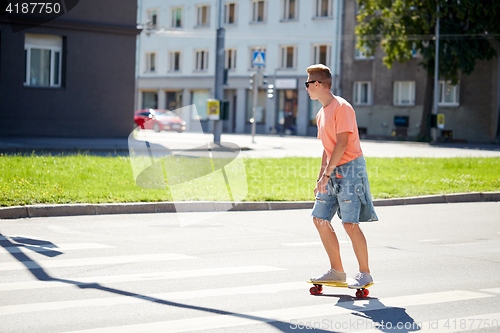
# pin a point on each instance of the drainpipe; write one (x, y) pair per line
(137, 57)
(338, 71)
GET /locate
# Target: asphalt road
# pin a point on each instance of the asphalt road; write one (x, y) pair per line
(435, 268)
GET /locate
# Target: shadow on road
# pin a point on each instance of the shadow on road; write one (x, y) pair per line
(376, 315)
(39, 273)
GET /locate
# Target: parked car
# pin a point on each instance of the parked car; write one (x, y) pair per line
(159, 120)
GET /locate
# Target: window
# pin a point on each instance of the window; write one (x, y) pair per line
(149, 100)
(362, 93)
(152, 18)
(259, 11)
(199, 99)
(230, 13)
(175, 61)
(43, 58)
(359, 8)
(290, 9)
(201, 60)
(255, 49)
(448, 94)
(151, 62)
(203, 18)
(359, 55)
(322, 54)
(173, 100)
(288, 57)
(404, 93)
(323, 8)
(230, 62)
(177, 17)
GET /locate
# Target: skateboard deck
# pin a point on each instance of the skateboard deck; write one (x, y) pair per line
(318, 288)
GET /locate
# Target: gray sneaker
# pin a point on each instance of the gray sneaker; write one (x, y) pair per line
(330, 276)
(360, 280)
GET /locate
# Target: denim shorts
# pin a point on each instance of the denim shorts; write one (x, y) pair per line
(340, 194)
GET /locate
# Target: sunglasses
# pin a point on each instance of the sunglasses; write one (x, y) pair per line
(307, 83)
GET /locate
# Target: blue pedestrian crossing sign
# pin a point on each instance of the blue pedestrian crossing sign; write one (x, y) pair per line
(259, 58)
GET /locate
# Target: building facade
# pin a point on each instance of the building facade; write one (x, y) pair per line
(177, 58)
(390, 102)
(72, 76)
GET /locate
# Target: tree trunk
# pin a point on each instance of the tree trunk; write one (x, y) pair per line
(425, 125)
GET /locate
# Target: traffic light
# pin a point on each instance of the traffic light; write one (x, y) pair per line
(224, 110)
(264, 80)
(270, 91)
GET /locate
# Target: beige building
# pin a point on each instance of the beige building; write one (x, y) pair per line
(386, 98)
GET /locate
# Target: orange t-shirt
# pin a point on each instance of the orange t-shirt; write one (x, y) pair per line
(339, 117)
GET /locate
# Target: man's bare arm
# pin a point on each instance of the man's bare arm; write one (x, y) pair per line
(338, 152)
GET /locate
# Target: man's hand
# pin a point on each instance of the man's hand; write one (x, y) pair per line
(321, 185)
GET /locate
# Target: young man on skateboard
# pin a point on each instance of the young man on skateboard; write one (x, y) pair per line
(342, 184)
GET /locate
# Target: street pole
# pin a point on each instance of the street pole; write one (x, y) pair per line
(436, 78)
(219, 71)
(255, 97)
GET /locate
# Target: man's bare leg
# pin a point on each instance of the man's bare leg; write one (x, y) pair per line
(359, 245)
(330, 242)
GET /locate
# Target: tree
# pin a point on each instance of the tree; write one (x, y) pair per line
(467, 29)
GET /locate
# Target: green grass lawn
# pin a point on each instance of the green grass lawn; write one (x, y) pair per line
(26, 180)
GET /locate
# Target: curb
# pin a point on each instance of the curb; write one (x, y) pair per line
(17, 212)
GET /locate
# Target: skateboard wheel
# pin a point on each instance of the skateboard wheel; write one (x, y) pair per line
(360, 293)
(315, 290)
(366, 292)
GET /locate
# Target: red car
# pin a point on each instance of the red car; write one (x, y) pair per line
(159, 120)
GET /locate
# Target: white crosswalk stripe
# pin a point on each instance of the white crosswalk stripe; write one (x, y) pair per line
(59, 248)
(181, 295)
(287, 314)
(140, 277)
(492, 290)
(16, 265)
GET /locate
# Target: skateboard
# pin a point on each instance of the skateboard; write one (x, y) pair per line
(318, 288)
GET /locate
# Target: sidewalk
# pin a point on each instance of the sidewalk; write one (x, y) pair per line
(205, 206)
(264, 146)
(268, 146)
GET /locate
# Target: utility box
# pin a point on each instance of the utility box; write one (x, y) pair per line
(224, 110)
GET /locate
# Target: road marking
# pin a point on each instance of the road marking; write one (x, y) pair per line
(461, 324)
(240, 319)
(428, 240)
(492, 290)
(311, 243)
(26, 248)
(9, 266)
(140, 277)
(167, 297)
(303, 244)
